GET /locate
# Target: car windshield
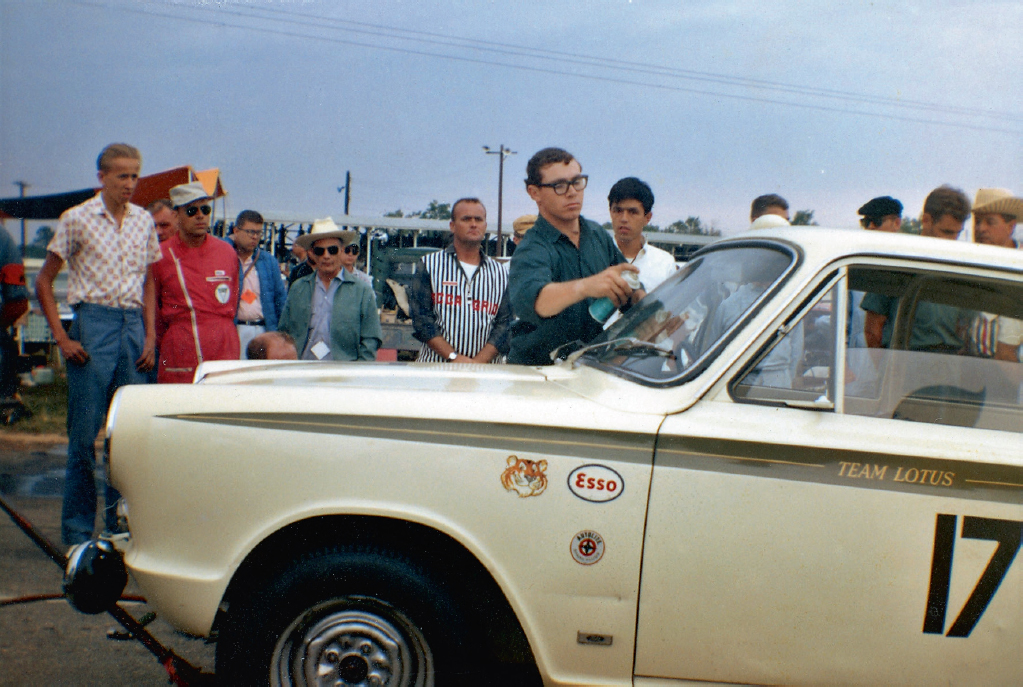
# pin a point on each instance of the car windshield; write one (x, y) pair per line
(678, 325)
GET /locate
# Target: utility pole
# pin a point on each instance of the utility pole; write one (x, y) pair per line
(347, 188)
(502, 153)
(22, 185)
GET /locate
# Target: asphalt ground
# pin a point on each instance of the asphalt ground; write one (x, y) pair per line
(49, 642)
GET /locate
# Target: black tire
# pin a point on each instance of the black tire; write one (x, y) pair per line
(348, 614)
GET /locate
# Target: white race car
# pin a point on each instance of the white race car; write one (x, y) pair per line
(726, 487)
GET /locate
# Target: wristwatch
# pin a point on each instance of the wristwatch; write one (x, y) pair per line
(452, 356)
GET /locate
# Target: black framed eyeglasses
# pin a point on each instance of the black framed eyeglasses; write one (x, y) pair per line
(194, 210)
(352, 249)
(561, 187)
(320, 250)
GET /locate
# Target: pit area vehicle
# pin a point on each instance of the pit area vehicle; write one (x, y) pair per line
(723, 488)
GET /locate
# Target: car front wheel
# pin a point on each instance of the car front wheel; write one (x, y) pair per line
(347, 616)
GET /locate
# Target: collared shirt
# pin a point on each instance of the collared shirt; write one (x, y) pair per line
(319, 323)
(249, 306)
(468, 311)
(547, 256)
(106, 262)
(655, 265)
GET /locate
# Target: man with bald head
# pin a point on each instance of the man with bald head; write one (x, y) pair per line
(164, 217)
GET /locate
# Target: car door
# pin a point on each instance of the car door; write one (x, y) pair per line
(853, 519)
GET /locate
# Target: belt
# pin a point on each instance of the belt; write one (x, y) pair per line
(253, 323)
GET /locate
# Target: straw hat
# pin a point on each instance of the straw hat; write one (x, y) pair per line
(326, 229)
(523, 224)
(997, 200)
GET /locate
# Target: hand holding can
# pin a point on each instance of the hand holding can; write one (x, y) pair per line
(602, 308)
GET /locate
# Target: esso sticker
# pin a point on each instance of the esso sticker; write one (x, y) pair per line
(596, 483)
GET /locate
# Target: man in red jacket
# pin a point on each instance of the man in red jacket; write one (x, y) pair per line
(196, 291)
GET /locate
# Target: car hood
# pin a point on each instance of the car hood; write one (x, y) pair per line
(502, 392)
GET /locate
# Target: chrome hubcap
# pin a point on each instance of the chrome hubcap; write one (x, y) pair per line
(353, 641)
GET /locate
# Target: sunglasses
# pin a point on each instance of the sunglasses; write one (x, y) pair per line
(352, 249)
(320, 250)
(194, 210)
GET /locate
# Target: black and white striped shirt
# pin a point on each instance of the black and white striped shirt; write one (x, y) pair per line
(467, 313)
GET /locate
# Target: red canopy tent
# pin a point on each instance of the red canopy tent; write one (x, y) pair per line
(150, 188)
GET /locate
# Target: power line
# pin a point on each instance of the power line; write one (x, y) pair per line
(592, 77)
(638, 67)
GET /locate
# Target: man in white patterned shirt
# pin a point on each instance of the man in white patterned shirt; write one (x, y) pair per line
(109, 246)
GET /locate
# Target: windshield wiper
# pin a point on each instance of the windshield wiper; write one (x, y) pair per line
(625, 344)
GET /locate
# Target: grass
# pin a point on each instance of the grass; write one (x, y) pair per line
(48, 404)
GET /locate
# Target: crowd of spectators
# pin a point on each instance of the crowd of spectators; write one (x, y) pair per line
(154, 294)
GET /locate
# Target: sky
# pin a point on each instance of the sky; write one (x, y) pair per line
(713, 103)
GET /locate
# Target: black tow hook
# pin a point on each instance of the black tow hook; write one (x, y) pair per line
(93, 584)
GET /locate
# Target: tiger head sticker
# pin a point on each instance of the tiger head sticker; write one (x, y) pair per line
(525, 477)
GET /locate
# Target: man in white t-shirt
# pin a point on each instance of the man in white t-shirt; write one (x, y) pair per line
(631, 203)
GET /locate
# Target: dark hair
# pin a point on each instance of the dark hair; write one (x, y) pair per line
(248, 216)
(631, 188)
(159, 204)
(761, 203)
(947, 200)
(466, 200)
(257, 348)
(114, 151)
(541, 159)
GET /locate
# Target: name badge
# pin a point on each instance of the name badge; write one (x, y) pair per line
(320, 350)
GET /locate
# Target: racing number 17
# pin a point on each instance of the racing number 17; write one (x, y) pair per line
(1007, 533)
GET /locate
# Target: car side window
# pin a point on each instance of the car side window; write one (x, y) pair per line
(796, 368)
(945, 350)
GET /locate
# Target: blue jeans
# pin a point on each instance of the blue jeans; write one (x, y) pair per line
(114, 339)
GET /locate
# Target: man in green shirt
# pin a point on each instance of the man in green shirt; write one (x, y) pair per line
(562, 265)
(936, 327)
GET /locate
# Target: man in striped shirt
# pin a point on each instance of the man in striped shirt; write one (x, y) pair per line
(459, 295)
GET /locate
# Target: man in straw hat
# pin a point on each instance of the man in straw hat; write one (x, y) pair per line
(995, 213)
(196, 290)
(331, 314)
(519, 228)
(109, 246)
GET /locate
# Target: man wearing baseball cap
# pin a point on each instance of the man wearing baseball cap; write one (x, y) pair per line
(196, 291)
